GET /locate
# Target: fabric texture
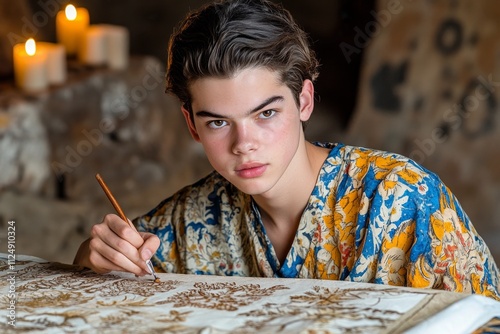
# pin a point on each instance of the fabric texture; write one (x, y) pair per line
(373, 216)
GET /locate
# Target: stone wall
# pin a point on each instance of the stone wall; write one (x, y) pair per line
(119, 124)
(430, 90)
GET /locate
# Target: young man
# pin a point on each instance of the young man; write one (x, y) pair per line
(276, 204)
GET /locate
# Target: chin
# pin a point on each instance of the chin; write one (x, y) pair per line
(252, 187)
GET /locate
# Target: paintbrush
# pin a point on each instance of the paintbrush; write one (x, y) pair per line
(123, 217)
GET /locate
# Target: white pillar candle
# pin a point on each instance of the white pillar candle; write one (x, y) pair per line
(105, 44)
(93, 50)
(117, 47)
(71, 25)
(30, 67)
(56, 62)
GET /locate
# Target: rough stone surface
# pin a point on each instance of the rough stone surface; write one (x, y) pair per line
(119, 124)
(24, 161)
(429, 90)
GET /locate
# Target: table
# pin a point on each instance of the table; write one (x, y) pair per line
(49, 297)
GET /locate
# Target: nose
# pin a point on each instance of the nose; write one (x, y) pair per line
(244, 139)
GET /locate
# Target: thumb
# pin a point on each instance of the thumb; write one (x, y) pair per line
(151, 244)
(146, 254)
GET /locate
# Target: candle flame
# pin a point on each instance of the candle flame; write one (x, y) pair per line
(30, 47)
(70, 12)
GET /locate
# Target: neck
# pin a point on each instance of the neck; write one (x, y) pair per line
(283, 207)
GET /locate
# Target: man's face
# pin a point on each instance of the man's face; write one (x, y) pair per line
(249, 126)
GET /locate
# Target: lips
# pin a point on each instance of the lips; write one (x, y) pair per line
(250, 170)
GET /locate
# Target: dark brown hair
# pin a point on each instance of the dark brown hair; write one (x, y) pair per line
(226, 36)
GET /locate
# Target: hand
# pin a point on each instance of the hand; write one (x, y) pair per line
(114, 245)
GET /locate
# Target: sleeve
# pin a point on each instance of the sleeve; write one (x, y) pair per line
(159, 221)
(411, 229)
(447, 252)
(195, 228)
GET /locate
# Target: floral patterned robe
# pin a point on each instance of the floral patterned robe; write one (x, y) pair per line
(373, 216)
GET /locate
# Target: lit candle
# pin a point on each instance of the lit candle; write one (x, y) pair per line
(56, 62)
(30, 69)
(71, 25)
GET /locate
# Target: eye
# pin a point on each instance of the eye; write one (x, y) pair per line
(216, 124)
(267, 113)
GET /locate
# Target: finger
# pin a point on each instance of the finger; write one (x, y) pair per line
(103, 232)
(123, 230)
(106, 266)
(105, 258)
(101, 265)
(151, 244)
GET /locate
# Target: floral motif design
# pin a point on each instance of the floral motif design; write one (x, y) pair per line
(221, 296)
(54, 298)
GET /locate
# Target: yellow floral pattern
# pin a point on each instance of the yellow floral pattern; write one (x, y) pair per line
(373, 217)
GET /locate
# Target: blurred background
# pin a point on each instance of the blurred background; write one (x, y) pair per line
(419, 78)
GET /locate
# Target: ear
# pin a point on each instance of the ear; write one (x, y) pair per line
(306, 100)
(190, 124)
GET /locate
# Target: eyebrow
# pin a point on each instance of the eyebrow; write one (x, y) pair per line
(272, 99)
